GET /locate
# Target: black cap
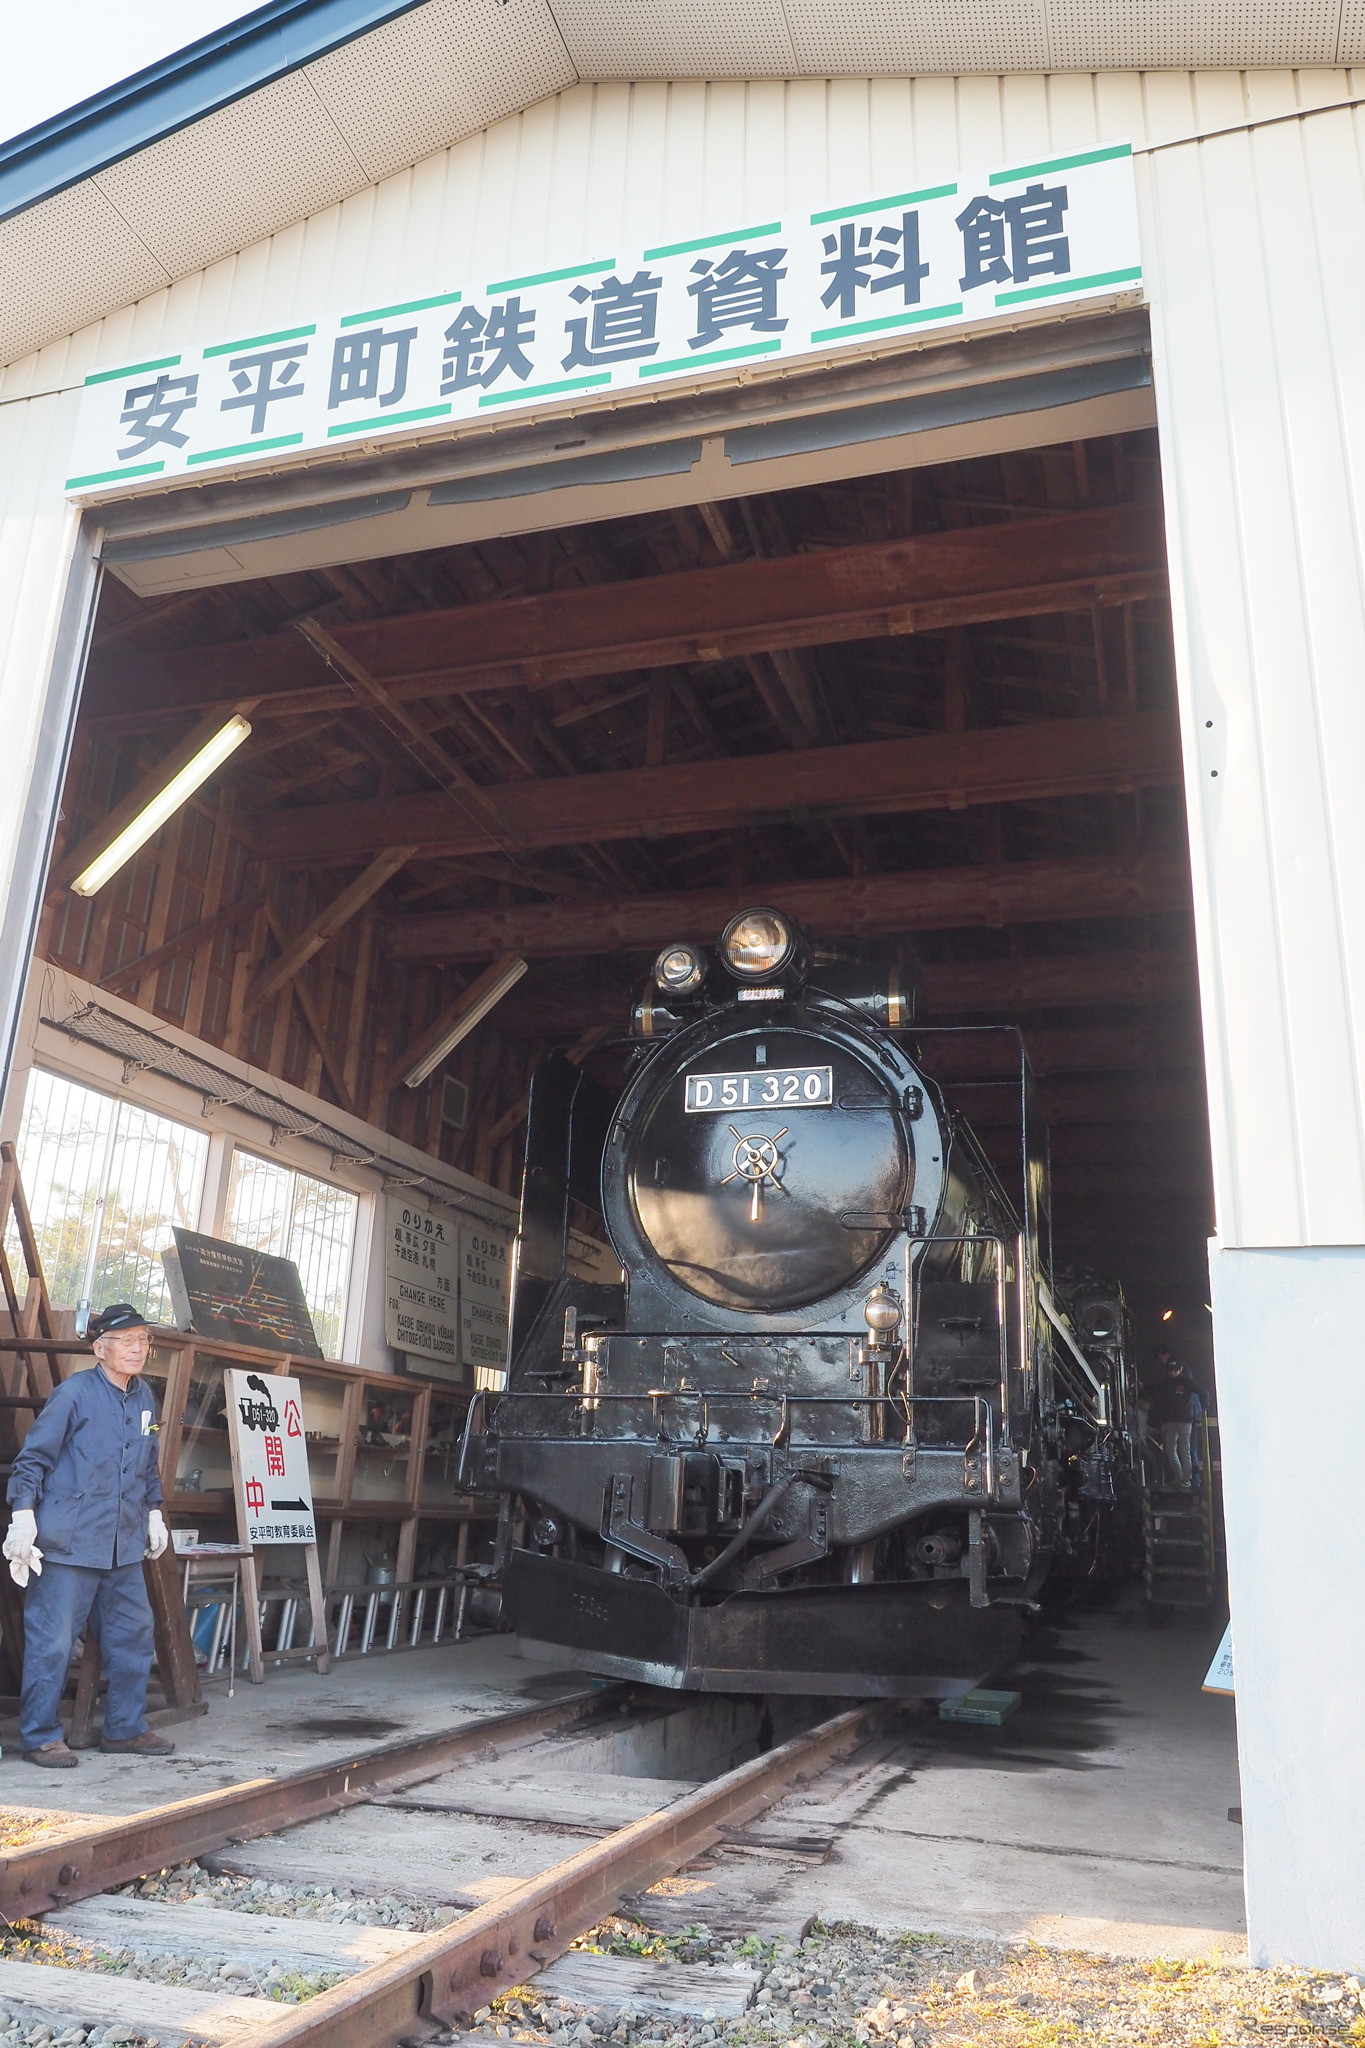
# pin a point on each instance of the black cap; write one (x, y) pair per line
(120, 1315)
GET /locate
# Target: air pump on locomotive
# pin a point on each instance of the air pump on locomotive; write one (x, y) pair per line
(824, 1436)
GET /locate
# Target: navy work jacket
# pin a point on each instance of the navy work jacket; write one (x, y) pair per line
(88, 1470)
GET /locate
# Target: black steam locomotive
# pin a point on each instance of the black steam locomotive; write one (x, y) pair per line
(822, 1436)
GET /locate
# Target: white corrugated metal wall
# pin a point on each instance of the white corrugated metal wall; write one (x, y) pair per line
(1250, 244)
(1260, 339)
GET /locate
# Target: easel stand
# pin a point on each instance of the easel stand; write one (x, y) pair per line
(315, 1652)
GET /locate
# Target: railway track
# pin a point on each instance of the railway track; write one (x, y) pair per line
(396, 1984)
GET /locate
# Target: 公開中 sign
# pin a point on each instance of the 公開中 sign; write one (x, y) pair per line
(859, 275)
(421, 1286)
(269, 1458)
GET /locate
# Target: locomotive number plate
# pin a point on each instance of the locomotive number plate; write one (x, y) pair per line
(767, 1088)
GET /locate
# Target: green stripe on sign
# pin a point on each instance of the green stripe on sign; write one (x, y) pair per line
(768, 227)
(247, 448)
(517, 284)
(882, 205)
(547, 390)
(388, 419)
(231, 348)
(1070, 284)
(1062, 163)
(392, 312)
(113, 476)
(892, 320)
(718, 355)
(133, 370)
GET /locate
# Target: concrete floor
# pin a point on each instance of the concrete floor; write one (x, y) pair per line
(1096, 1817)
(295, 1720)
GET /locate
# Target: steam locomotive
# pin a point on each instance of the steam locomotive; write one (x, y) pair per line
(824, 1435)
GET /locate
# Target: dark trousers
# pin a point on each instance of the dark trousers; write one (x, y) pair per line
(57, 1606)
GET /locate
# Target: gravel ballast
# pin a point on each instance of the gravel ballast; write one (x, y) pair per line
(843, 1986)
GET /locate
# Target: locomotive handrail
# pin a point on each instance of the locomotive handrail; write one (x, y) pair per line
(911, 1277)
(982, 1432)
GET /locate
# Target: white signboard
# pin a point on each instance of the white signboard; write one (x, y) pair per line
(269, 1458)
(984, 246)
(485, 1266)
(1220, 1671)
(420, 1280)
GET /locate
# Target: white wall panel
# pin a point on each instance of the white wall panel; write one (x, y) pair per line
(1262, 354)
(37, 537)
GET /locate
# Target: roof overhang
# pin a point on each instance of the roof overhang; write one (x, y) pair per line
(306, 102)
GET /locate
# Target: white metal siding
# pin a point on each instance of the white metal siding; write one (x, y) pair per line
(1257, 307)
(1260, 330)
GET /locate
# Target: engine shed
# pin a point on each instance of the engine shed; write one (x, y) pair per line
(607, 469)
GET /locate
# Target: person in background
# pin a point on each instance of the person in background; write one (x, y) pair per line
(1175, 1406)
(87, 1510)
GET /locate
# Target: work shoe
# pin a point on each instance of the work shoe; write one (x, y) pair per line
(53, 1756)
(149, 1743)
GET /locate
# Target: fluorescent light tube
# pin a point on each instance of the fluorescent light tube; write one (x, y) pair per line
(465, 1022)
(164, 805)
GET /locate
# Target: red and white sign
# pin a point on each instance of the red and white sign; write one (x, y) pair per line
(269, 1458)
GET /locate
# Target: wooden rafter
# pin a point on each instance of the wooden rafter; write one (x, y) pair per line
(926, 899)
(967, 574)
(296, 953)
(332, 1061)
(937, 771)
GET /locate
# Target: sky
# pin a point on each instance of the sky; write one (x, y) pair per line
(60, 52)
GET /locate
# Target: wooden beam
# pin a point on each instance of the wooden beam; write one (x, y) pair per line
(449, 1016)
(399, 721)
(1056, 981)
(1086, 1099)
(313, 1019)
(938, 771)
(926, 899)
(962, 575)
(1137, 1048)
(325, 926)
(140, 795)
(186, 942)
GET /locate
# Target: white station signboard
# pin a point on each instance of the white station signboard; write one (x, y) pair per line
(421, 1251)
(485, 1271)
(269, 1458)
(985, 246)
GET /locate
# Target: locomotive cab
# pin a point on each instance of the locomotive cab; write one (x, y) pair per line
(813, 1440)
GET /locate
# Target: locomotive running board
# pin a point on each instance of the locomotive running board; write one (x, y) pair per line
(892, 1641)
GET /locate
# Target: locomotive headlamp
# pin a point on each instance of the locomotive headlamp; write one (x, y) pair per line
(882, 1312)
(756, 944)
(678, 970)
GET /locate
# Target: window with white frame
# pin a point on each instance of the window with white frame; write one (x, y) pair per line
(105, 1182)
(273, 1208)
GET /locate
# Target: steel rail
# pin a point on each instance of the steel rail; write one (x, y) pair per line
(451, 1973)
(76, 1865)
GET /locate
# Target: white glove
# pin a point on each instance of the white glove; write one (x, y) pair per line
(158, 1535)
(21, 1547)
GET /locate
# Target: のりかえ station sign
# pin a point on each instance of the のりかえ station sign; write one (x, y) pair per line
(421, 1300)
(856, 275)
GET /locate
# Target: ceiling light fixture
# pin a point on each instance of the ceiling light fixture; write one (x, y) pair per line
(163, 805)
(494, 988)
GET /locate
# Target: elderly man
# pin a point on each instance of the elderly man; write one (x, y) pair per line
(86, 1501)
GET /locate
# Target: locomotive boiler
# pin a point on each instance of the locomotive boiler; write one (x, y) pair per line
(820, 1436)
